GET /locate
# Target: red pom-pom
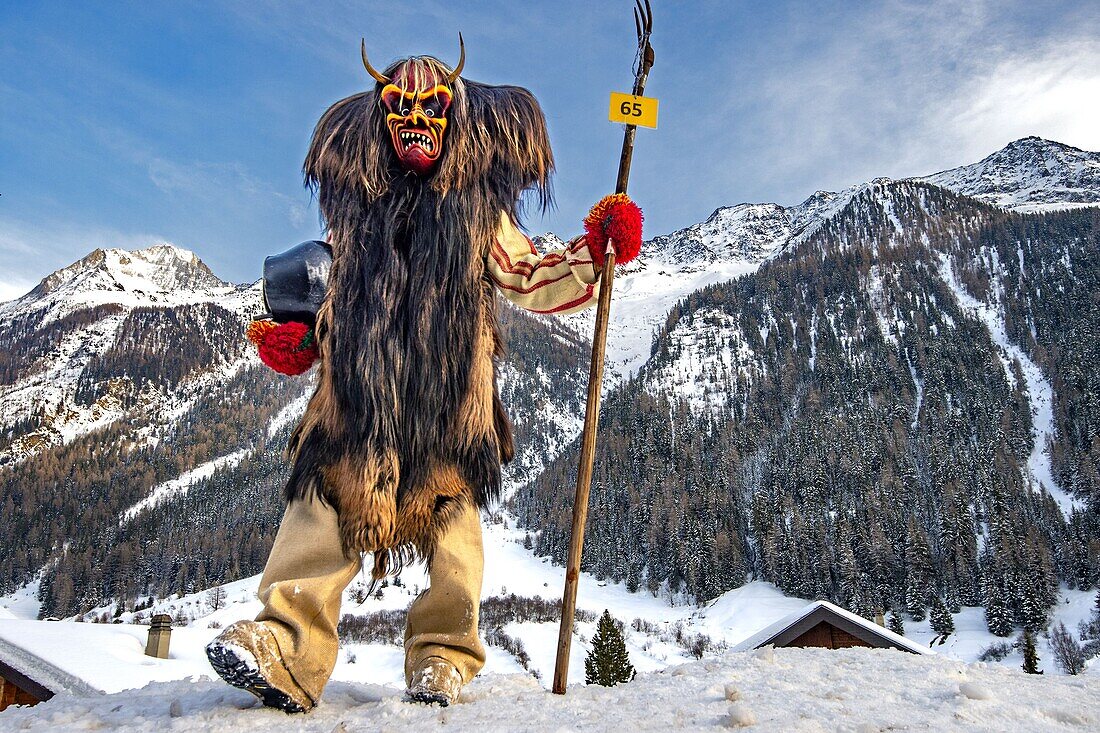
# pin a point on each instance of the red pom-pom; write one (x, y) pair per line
(624, 226)
(619, 219)
(289, 348)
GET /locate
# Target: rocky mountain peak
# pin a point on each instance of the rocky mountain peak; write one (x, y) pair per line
(161, 268)
(1028, 174)
(747, 232)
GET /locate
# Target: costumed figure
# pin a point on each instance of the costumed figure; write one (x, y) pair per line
(419, 181)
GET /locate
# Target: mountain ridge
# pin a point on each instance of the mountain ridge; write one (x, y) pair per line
(1028, 174)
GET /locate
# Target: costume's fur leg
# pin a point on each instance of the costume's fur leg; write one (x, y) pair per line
(366, 494)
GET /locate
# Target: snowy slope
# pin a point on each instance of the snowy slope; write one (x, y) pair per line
(180, 485)
(1040, 394)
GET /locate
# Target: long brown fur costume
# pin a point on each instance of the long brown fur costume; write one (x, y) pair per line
(406, 421)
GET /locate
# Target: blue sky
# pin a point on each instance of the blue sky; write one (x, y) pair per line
(127, 124)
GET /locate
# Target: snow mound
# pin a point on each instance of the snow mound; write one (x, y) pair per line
(789, 690)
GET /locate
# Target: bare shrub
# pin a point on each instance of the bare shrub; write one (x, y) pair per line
(378, 627)
(995, 652)
(388, 627)
(1067, 651)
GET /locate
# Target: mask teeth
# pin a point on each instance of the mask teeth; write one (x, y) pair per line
(409, 138)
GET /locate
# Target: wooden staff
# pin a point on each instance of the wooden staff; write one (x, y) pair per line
(643, 21)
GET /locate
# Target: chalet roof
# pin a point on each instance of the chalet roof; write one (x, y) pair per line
(798, 622)
(91, 659)
(38, 676)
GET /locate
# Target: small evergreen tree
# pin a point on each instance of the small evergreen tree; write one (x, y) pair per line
(607, 662)
(998, 615)
(1031, 655)
(942, 623)
(895, 623)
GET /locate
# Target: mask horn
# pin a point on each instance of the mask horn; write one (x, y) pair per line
(378, 77)
(461, 61)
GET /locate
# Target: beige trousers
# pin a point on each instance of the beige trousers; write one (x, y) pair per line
(307, 572)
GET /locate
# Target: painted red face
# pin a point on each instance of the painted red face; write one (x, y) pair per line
(417, 120)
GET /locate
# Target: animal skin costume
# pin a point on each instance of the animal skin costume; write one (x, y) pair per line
(402, 442)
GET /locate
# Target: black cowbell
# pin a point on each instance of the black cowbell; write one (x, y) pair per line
(295, 282)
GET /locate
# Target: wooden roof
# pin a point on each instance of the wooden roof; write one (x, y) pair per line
(23, 682)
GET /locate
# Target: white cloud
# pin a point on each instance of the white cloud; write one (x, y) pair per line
(12, 289)
(913, 88)
(1054, 93)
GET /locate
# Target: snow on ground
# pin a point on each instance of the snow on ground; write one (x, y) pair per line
(118, 661)
(23, 603)
(851, 690)
(291, 413)
(180, 485)
(642, 297)
(1040, 394)
(788, 690)
(972, 636)
(742, 612)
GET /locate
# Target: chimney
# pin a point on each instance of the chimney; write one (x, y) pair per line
(880, 618)
(160, 636)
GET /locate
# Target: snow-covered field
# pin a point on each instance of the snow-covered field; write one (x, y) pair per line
(854, 690)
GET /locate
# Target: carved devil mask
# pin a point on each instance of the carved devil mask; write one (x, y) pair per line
(416, 99)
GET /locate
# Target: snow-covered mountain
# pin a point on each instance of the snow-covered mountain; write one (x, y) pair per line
(747, 232)
(902, 387)
(1029, 174)
(77, 315)
(160, 275)
(709, 359)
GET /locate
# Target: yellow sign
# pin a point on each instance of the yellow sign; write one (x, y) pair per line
(633, 110)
